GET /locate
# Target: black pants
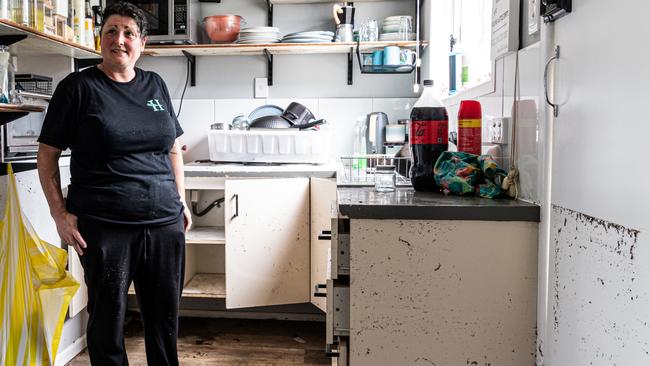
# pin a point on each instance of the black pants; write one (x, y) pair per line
(153, 257)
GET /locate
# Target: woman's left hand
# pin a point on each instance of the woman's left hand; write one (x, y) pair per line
(187, 216)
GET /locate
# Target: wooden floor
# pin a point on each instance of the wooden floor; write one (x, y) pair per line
(234, 342)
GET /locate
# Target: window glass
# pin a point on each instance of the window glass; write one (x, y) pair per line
(471, 30)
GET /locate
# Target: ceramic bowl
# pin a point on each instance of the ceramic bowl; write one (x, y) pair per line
(222, 28)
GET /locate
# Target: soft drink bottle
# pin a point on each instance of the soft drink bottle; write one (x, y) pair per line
(428, 137)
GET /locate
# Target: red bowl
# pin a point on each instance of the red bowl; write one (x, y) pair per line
(222, 28)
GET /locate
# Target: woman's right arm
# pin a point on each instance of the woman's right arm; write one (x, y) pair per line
(50, 177)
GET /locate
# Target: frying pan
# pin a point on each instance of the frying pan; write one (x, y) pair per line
(279, 122)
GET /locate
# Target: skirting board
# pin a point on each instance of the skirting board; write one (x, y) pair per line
(71, 351)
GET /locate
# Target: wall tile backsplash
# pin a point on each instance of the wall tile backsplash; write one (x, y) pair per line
(395, 108)
(196, 116)
(340, 113)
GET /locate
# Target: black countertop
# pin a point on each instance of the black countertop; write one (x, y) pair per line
(406, 203)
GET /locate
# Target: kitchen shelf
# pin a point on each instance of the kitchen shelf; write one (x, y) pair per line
(281, 2)
(383, 69)
(268, 50)
(206, 285)
(387, 69)
(11, 112)
(273, 48)
(206, 235)
(39, 43)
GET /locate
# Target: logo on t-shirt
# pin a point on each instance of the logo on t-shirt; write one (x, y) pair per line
(155, 105)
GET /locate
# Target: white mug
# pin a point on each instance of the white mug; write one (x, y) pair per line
(407, 57)
(391, 55)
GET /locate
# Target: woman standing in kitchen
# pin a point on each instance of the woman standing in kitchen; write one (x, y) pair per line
(125, 213)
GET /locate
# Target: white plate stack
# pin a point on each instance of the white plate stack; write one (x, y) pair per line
(309, 37)
(391, 28)
(255, 35)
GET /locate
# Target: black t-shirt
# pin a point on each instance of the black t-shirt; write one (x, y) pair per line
(119, 135)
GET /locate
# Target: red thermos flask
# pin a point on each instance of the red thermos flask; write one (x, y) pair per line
(469, 127)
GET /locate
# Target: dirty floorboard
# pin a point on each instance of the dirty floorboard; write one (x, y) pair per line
(234, 342)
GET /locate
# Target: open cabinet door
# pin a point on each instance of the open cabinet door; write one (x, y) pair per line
(267, 241)
(80, 299)
(323, 195)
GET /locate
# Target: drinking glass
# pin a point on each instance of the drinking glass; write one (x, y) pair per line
(373, 30)
(404, 30)
(363, 33)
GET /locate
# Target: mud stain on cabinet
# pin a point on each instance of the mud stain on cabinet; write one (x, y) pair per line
(442, 292)
(596, 294)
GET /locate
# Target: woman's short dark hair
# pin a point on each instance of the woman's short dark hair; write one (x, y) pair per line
(126, 9)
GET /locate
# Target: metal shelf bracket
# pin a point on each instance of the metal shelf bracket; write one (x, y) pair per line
(269, 66)
(269, 13)
(192, 60)
(350, 65)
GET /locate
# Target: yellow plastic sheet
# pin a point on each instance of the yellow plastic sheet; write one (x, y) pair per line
(35, 289)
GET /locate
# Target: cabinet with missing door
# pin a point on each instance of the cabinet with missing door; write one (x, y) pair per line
(259, 245)
(256, 252)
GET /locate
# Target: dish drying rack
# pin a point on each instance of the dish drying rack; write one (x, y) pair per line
(360, 169)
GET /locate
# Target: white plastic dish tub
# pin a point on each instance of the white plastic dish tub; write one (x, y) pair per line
(270, 146)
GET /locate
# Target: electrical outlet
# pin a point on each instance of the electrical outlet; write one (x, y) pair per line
(498, 129)
(261, 88)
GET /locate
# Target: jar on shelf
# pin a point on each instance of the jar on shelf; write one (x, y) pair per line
(20, 11)
(5, 9)
(385, 178)
(4, 73)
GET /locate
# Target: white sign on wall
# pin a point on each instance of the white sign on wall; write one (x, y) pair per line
(533, 16)
(505, 27)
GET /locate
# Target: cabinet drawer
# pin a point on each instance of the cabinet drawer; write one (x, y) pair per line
(340, 257)
(337, 319)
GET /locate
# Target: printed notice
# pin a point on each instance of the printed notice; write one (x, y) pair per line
(533, 16)
(505, 27)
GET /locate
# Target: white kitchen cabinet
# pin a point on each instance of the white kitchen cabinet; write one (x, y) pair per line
(261, 246)
(323, 196)
(421, 276)
(267, 241)
(80, 298)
